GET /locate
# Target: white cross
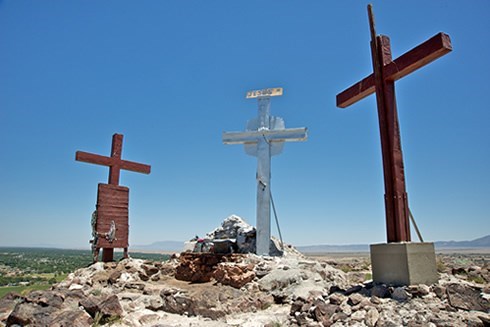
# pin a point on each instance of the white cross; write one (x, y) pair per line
(264, 137)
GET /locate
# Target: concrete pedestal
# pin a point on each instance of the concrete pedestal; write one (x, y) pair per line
(404, 263)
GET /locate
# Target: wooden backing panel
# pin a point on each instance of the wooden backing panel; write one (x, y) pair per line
(119, 243)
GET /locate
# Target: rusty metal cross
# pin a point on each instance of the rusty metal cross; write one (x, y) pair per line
(114, 162)
(382, 81)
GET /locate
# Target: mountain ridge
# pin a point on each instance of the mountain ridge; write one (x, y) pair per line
(177, 246)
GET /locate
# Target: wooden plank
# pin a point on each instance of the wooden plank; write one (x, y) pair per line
(421, 55)
(93, 158)
(110, 161)
(134, 166)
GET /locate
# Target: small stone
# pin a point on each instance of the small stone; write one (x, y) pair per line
(380, 291)
(419, 290)
(110, 307)
(345, 308)
(358, 315)
(323, 311)
(355, 299)
(399, 294)
(372, 316)
(337, 298)
(144, 277)
(90, 305)
(339, 316)
(375, 300)
(440, 291)
(150, 270)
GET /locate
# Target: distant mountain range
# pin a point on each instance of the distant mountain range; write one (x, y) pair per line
(176, 246)
(482, 242)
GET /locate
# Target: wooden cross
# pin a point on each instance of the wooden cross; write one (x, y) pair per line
(112, 215)
(382, 81)
(114, 162)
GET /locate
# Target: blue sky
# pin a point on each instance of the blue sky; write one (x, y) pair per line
(172, 76)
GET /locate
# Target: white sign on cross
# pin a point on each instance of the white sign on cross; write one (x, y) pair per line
(263, 138)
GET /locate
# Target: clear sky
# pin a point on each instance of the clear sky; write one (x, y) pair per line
(172, 76)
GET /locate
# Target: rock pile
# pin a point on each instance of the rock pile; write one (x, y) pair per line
(243, 236)
(450, 302)
(216, 290)
(225, 269)
(247, 290)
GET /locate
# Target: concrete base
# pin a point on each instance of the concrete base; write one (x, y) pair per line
(404, 263)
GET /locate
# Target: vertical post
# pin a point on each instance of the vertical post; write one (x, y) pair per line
(107, 254)
(396, 202)
(116, 151)
(263, 181)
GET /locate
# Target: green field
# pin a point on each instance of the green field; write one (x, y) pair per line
(41, 268)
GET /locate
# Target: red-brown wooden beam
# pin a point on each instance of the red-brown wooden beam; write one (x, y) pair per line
(114, 162)
(382, 82)
(421, 55)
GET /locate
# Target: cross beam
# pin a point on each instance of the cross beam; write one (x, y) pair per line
(114, 162)
(249, 137)
(423, 54)
(385, 72)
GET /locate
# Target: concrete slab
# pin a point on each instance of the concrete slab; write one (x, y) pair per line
(404, 263)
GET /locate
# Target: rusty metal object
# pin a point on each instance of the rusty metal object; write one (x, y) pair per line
(111, 227)
(382, 81)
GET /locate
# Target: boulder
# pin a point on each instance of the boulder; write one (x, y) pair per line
(465, 297)
(72, 318)
(246, 239)
(110, 307)
(229, 228)
(45, 298)
(90, 304)
(7, 304)
(30, 314)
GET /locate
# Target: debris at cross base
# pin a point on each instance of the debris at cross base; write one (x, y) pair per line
(233, 236)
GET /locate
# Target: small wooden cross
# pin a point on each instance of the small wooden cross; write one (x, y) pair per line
(114, 162)
(111, 229)
(382, 81)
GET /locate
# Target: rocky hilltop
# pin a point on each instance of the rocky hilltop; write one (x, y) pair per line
(207, 289)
